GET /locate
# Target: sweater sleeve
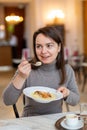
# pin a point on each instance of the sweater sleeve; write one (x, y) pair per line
(74, 96)
(11, 94)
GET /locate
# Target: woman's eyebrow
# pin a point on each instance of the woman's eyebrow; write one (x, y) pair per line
(50, 43)
(37, 43)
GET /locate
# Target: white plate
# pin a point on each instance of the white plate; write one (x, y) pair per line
(79, 125)
(30, 90)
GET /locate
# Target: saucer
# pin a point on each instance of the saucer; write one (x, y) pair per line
(78, 126)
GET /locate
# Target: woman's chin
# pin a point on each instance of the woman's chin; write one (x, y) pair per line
(46, 62)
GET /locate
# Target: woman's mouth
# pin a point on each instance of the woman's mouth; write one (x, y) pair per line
(45, 57)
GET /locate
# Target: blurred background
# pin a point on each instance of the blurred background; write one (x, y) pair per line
(18, 21)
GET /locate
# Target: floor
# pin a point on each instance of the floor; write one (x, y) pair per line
(7, 111)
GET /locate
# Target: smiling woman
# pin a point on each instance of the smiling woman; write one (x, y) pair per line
(45, 48)
(54, 73)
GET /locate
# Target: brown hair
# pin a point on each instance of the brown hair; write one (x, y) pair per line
(52, 32)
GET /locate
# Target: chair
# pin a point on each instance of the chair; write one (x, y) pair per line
(84, 82)
(75, 62)
(84, 72)
(15, 111)
(15, 108)
(67, 107)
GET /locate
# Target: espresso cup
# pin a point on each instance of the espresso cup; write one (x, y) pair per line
(72, 120)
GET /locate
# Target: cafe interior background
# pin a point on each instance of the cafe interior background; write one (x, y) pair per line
(69, 16)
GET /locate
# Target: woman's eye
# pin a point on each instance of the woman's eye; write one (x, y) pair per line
(38, 46)
(50, 45)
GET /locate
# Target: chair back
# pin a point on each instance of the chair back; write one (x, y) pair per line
(15, 108)
(15, 111)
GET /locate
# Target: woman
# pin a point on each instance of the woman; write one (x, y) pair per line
(53, 73)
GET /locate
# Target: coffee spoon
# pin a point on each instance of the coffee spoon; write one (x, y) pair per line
(38, 63)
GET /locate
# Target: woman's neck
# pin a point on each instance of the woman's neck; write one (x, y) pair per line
(49, 67)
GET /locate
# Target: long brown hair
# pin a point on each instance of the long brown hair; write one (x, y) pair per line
(52, 32)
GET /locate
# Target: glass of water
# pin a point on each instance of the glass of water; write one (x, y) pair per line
(83, 108)
(83, 112)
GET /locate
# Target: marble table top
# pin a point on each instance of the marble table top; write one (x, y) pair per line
(43, 122)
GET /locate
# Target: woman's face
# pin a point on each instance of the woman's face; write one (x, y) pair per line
(46, 49)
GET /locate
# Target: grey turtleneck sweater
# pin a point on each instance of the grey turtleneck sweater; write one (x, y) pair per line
(48, 76)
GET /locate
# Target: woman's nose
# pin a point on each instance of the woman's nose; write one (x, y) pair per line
(44, 50)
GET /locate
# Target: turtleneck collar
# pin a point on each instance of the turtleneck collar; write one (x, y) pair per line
(48, 67)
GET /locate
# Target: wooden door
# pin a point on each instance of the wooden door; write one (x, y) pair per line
(5, 56)
(18, 29)
(85, 26)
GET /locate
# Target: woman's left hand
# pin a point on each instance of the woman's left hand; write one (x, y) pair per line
(64, 91)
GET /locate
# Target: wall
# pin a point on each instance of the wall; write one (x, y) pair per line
(73, 24)
(36, 16)
(79, 25)
(13, 1)
(30, 25)
(73, 19)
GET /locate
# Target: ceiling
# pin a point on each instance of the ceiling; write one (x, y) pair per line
(13, 2)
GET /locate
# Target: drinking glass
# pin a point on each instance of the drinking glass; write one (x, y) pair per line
(83, 108)
(83, 112)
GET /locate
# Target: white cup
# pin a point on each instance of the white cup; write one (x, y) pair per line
(72, 120)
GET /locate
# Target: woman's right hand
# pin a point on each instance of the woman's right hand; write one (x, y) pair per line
(24, 69)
